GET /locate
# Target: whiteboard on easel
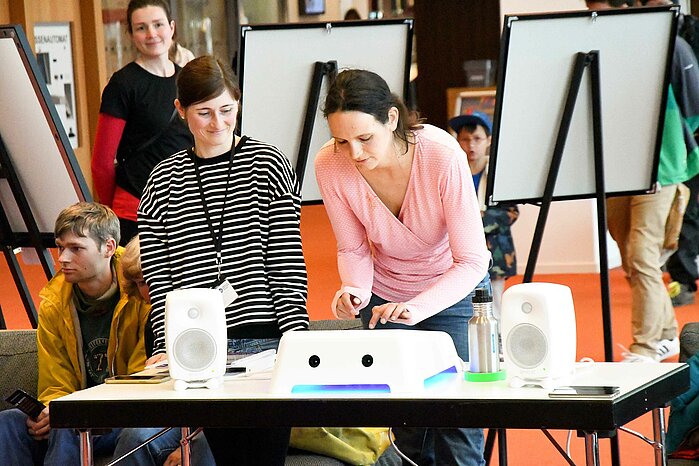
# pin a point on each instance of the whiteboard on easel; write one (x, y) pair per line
(35, 140)
(276, 66)
(537, 56)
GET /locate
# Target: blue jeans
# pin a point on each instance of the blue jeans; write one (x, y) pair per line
(251, 345)
(62, 447)
(156, 452)
(429, 446)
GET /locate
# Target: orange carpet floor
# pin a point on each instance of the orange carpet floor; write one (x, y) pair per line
(525, 447)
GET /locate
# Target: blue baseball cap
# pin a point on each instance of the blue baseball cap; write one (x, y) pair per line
(473, 118)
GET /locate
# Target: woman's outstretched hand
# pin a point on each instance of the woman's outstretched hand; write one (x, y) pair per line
(389, 312)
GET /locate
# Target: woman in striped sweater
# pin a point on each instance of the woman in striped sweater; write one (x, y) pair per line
(227, 209)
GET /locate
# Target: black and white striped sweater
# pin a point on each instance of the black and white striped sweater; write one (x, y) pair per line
(261, 251)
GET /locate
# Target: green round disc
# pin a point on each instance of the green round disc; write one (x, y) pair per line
(484, 376)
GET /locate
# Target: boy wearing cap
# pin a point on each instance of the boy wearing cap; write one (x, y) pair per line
(473, 132)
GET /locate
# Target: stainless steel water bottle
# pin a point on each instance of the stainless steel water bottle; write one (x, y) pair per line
(483, 352)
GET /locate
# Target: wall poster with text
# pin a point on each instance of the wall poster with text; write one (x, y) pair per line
(54, 53)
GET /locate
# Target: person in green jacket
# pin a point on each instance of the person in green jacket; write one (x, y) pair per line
(89, 328)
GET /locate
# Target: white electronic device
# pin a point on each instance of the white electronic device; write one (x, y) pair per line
(538, 329)
(395, 361)
(195, 337)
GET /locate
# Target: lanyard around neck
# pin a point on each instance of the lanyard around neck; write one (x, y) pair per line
(217, 236)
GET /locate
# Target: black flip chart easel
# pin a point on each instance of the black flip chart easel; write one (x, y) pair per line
(320, 70)
(573, 166)
(588, 60)
(582, 61)
(39, 174)
(10, 240)
(598, 42)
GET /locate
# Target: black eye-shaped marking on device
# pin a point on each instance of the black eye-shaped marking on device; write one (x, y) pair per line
(314, 361)
(367, 360)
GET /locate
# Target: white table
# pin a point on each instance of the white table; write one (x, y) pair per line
(452, 403)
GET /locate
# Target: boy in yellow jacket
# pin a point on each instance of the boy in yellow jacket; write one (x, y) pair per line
(89, 329)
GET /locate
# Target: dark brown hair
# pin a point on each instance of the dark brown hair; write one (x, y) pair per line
(205, 78)
(367, 92)
(138, 4)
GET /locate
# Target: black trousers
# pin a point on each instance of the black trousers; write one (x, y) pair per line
(682, 265)
(248, 446)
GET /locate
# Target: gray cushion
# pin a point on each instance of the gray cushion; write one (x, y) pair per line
(18, 363)
(301, 458)
(334, 324)
(689, 341)
(677, 462)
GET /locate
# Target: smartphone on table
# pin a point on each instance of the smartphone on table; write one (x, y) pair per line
(153, 378)
(583, 391)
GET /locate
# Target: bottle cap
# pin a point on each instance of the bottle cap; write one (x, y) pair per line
(482, 296)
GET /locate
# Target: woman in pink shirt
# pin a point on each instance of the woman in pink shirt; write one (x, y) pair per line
(410, 241)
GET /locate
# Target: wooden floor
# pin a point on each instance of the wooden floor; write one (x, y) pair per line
(525, 448)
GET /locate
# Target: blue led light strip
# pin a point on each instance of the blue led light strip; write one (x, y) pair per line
(444, 375)
(368, 388)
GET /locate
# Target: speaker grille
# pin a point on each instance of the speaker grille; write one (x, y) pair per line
(194, 350)
(527, 346)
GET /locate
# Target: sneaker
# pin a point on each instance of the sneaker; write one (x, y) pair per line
(628, 356)
(680, 294)
(665, 349)
(668, 348)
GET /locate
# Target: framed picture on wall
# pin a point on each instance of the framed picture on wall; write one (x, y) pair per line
(311, 7)
(461, 100)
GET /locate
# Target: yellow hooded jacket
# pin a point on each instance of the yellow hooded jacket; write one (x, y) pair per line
(61, 364)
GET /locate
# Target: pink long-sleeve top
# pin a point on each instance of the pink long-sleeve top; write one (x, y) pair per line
(432, 254)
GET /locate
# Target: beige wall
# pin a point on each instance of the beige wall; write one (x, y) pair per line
(4, 11)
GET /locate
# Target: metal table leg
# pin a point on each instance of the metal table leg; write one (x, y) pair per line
(85, 447)
(591, 449)
(659, 436)
(184, 445)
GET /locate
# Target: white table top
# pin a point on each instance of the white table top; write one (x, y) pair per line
(242, 401)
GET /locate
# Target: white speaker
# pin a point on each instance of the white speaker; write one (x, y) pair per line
(538, 330)
(195, 337)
